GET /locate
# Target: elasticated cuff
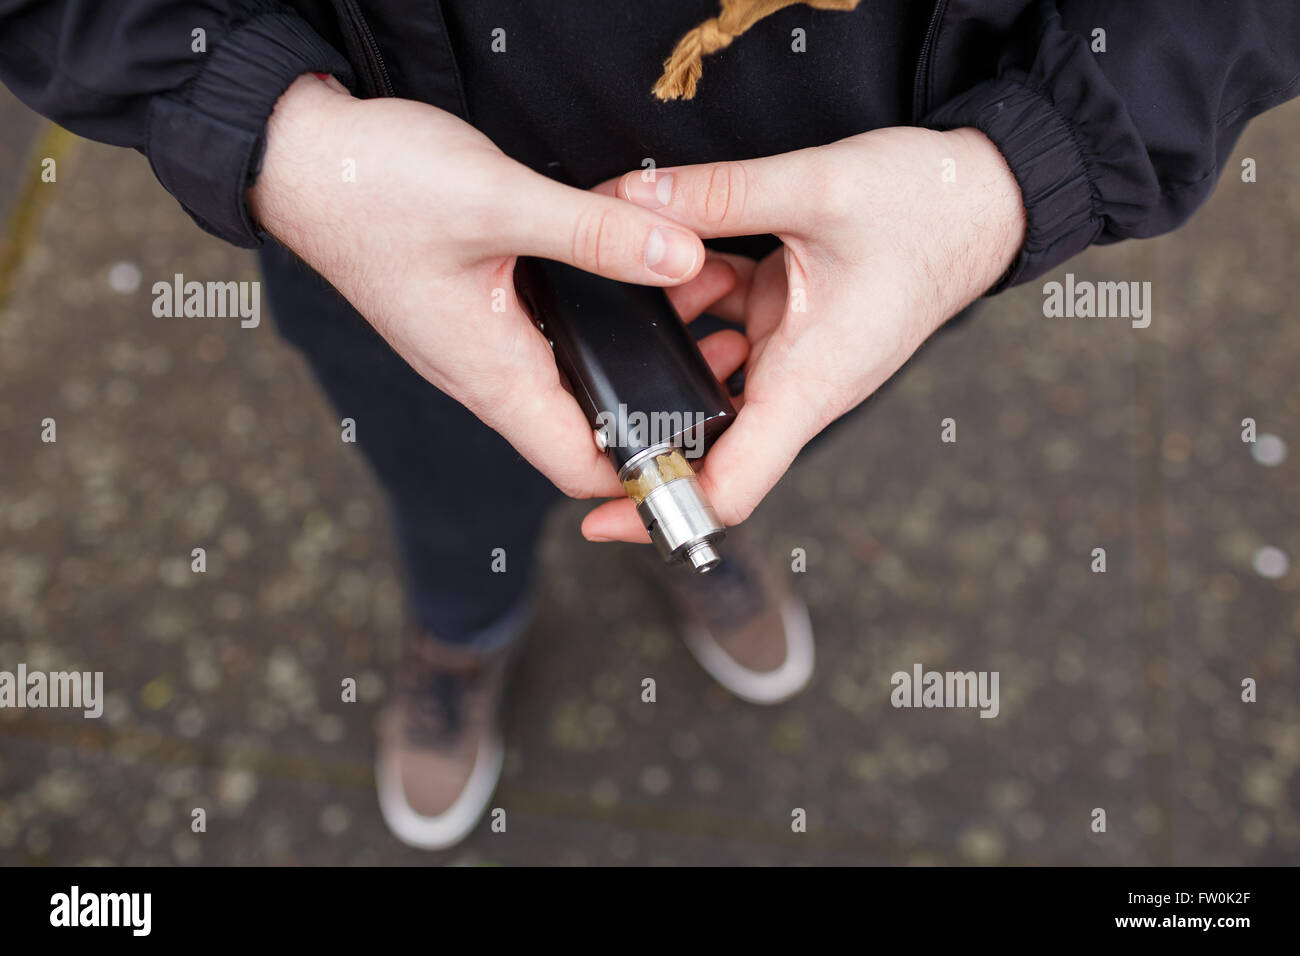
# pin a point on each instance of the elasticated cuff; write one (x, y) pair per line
(206, 140)
(1048, 161)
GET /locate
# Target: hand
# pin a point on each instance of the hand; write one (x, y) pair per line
(422, 241)
(878, 252)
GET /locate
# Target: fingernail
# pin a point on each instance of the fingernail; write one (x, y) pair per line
(595, 538)
(670, 252)
(651, 195)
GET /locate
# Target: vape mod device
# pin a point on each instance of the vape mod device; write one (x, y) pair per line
(651, 399)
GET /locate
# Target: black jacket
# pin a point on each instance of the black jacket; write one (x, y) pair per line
(1106, 145)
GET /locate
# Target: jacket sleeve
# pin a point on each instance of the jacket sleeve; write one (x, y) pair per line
(1129, 142)
(135, 73)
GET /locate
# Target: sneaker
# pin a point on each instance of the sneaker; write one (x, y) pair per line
(741, 621)
(440, 747)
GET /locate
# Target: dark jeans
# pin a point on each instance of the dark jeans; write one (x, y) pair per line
(457, 490)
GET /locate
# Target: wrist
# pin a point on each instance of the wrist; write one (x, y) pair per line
(993, 205)
(297, 133)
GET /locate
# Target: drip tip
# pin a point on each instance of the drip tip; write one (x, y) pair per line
(703, 558)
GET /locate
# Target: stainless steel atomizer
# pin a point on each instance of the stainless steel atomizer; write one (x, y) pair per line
(623, 347)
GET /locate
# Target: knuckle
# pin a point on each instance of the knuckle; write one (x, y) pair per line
(731, 501)
(570, 487)
(590, 234)
(575, 483)
(736, 512)
(724, 196)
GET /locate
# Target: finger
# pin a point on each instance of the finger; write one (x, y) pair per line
(752, 455)
(739, 470)
(553, 435)
(725, 351)
(734, 480)
(542, 421)
(724, 300)
(715, 280)
(769, 290)
(609, 188)
(733, 306)
(729, 306)
(615, 521)
(745, 198)
(598, 234)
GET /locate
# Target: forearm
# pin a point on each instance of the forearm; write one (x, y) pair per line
(992, 211)
(295, 196)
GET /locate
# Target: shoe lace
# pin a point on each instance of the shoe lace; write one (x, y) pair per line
(442, 701)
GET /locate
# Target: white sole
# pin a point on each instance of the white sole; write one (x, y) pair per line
(456, 822)
(770, 687)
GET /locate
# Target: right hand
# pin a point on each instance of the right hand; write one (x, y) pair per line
(423, 243)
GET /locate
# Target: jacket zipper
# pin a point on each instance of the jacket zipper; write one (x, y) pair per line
(380, 83)
(919, 94)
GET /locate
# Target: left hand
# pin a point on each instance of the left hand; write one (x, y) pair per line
(880, 249)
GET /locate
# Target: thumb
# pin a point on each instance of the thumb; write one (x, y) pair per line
(745, 464)
(602, 235)
(779, 194)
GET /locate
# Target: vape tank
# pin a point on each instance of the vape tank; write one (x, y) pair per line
(651, 399)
